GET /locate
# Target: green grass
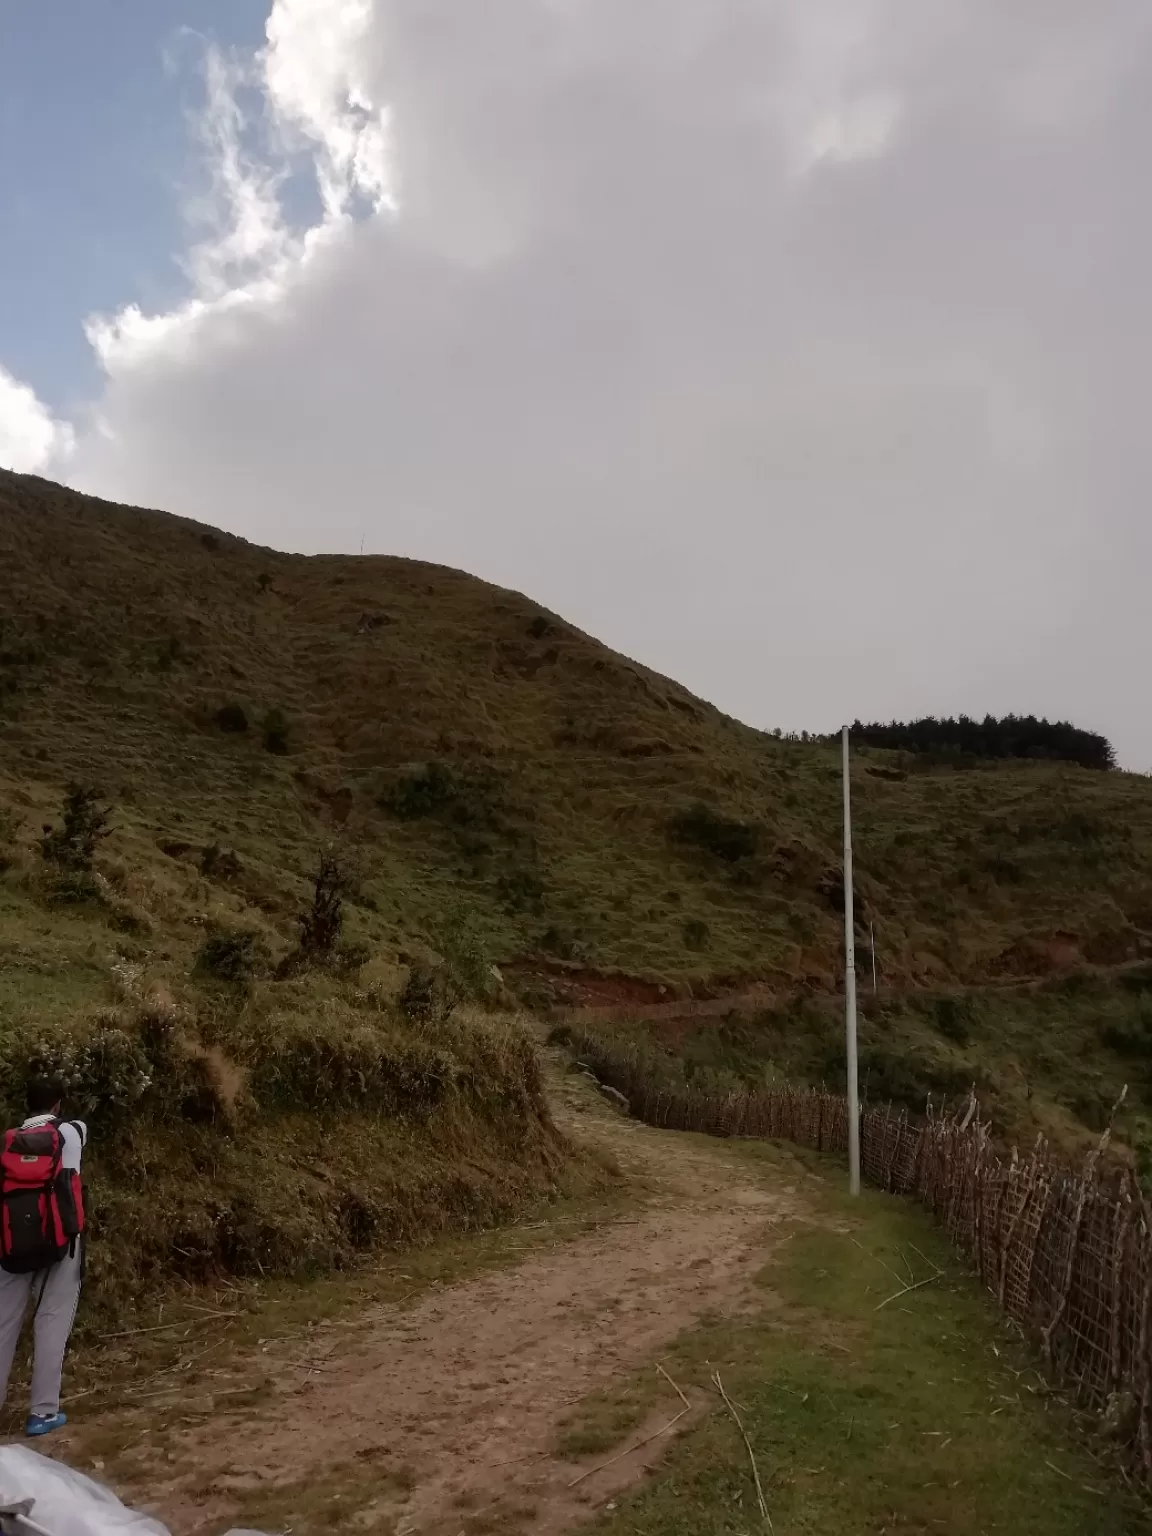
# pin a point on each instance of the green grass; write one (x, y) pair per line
(926, 1415)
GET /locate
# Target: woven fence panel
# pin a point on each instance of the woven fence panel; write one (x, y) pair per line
(1067, 1253)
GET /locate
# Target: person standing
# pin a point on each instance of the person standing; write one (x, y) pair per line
(41, 1225)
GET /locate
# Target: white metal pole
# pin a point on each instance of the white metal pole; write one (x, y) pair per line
(872, 938)
(850, 988)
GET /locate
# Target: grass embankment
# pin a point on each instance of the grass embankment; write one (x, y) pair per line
(865, 1415)
(280, 1127)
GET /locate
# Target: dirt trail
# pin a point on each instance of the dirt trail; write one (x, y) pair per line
(449, 1410)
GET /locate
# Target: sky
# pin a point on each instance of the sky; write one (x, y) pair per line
(797, 348)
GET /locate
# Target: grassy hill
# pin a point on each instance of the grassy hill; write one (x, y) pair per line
(597, 829)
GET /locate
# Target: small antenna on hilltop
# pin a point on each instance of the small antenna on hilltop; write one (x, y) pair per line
(361, 543)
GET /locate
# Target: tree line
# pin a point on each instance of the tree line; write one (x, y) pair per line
(963, 739)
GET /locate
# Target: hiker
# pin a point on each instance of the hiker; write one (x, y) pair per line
(41, 1244)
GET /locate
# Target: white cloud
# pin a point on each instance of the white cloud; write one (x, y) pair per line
(247, 253)
(860, 130)
(30, 440)
(246, 232)
(317, 85)
(792, 345)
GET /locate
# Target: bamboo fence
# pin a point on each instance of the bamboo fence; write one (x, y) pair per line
(1066, 1252)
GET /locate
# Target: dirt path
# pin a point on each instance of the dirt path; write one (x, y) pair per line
(443, 1418)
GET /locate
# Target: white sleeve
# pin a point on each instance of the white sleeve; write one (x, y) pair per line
(74, 1134)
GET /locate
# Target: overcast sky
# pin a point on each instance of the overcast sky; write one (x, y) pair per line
(798, 348)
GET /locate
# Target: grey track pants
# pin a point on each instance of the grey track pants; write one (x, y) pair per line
(55, 1293)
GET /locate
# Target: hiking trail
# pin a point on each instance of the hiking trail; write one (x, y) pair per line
(443, 1417)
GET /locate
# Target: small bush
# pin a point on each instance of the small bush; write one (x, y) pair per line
(274, 731)
(1131, 1036)
(232, 718)
(427, 996)
(466, 798)
(702, 827)
(83, 826)
(114, 1067)
(908, 1078)
(697, 934)
(459, 941)
(427, 789)
(10, 825)
(322, 923)
(221, 864)
(169, 654)
(70, 887)
(953, 1018)
(521, 890)
(232, 955)
(558, 942)
(433, 992)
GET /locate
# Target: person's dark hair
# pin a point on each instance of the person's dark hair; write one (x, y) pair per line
(43, 1095)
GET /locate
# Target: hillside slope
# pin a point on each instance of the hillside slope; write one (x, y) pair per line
(469, 750)
(125, 632)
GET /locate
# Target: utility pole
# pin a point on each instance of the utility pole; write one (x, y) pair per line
(850, 988)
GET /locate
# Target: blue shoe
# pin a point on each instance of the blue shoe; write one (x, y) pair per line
(38, 1424)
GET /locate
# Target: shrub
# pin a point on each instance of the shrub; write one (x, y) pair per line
(232, 718)
(1131, 1036)
(274, 732)
(433, 991)
(107, 1067)
(233, 955)
(427, 997)
(221, 864)
(697, 934)
(521, 891)
(702, 827)
(464, 952)
(83, 826)
(908, 1078)
(10, 825)
(464, 797)
(169, 654)
(558, 942)
(70, 887)
(425, 790)
(953, 1018)
(322, 922)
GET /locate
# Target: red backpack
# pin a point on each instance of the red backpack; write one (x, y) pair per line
(41, 1203)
